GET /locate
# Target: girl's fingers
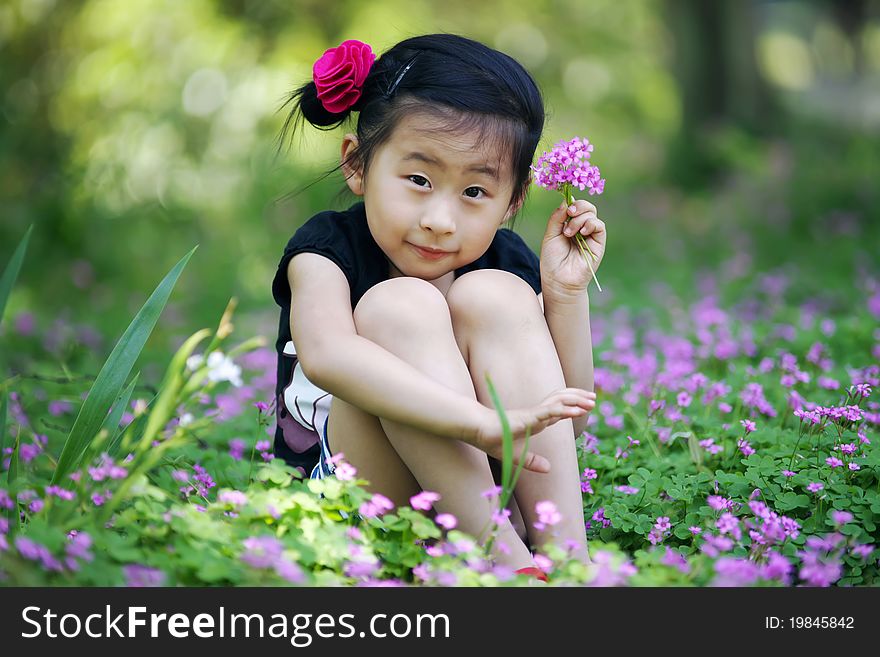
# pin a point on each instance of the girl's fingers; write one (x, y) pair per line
(535, 463)
(593, 225)
(580, 206)
(582, 222)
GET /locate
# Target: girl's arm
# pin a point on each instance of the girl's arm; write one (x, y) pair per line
(568, 319)
(565, 277)
(336, 359)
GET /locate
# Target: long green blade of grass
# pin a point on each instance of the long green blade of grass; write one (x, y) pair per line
(113, 374)
(509, 474)
(3, 421)
(506, 436)
(12, 473)
(10, 274)
(115, 417)
(13, 514)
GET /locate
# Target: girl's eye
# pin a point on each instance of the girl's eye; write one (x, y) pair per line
(479, 190)
(418, 180)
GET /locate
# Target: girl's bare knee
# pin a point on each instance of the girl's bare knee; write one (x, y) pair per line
(492, 296)
(401, 306)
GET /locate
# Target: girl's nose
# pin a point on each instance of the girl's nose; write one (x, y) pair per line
(438, 218)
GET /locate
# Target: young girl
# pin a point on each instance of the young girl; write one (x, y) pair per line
(395, 310)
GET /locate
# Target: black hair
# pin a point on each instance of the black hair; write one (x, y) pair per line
(464, 84)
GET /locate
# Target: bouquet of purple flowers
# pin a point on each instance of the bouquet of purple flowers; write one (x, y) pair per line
(567, 166)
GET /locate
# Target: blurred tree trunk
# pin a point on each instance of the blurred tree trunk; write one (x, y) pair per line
(715, 66)
(850, 16)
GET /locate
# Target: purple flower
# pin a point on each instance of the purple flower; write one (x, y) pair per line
(815, 487)
(672, 558)
(834, 462)
(735, 571)
(729, 524)
(745, 448)
(140, 576)
(446, 520)
(777, 568)
(289, 571)
(599, 516)
(376, 506)
(203, 479)
(862, 550)
(236, 448)
(59, 492)
(27, 452)
(233, 497)
(841, 517)
(261, 551)
(627, 490)
(718, 502)
(36, 552)
(493, 493)
(788, 473)
(714, 545)
(424, 500)
(548, 515)
(345, 471)
(25, 323)
(748, 425)
(59, 407)
(567, 164)
(78, 545)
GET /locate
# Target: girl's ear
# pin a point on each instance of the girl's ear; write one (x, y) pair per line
(353, 177)
(511, 210)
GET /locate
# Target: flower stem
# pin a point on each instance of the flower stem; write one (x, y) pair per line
(579, 239)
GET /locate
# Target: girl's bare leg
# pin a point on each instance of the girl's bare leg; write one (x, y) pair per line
(501, 329)
(409, 317)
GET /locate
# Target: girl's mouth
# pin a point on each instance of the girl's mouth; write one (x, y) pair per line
(429, 254)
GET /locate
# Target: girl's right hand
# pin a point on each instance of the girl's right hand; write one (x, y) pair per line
(562, 404)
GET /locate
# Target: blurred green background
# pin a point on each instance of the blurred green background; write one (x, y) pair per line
(738, 138)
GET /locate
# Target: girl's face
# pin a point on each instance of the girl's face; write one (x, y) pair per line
(433, 200)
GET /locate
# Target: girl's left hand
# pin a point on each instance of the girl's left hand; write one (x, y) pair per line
(563, 268)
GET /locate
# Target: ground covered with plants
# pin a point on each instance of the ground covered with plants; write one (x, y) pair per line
(738, 447)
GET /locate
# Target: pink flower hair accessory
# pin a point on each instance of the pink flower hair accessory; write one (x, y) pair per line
(339, 74)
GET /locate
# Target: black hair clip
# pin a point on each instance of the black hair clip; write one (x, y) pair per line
(396, 82)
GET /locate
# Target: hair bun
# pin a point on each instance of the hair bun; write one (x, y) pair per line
(314, 111)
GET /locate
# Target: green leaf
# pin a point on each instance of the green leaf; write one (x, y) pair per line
(3, 401)
(509, 476)
(507, 436)
(113, 374)
(115, 416)
(10, 274)
(12, 473)
(214, 570)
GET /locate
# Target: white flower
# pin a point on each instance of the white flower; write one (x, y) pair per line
(220, 368)
(186, 419)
